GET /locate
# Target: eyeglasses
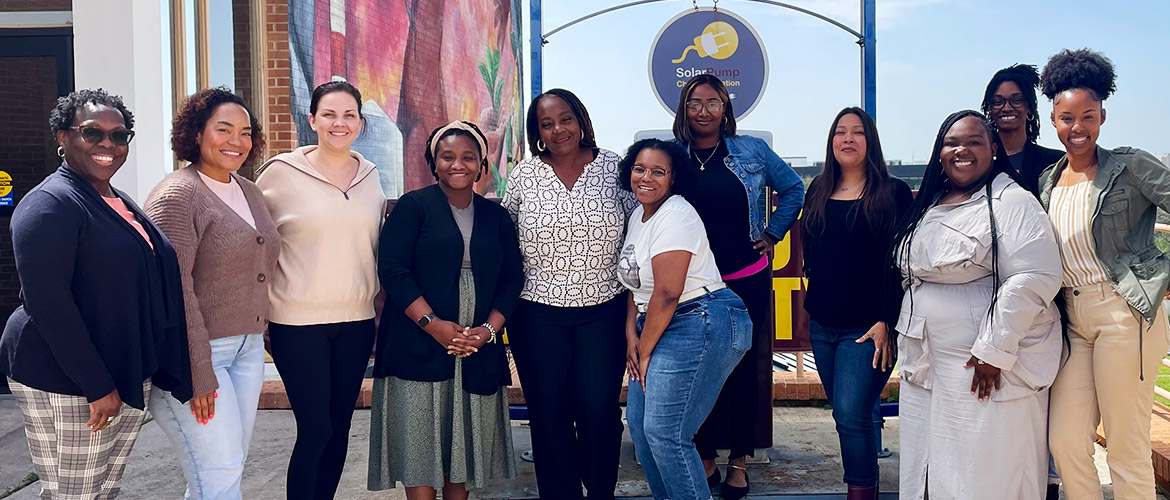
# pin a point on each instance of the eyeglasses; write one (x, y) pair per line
(656, 173)
(94, 135)
(1017, 101)
(713, 107)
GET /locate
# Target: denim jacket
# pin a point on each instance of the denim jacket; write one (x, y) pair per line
(757, 167)
(1129, 188)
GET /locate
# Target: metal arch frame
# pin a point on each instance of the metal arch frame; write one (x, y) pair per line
(866, 39)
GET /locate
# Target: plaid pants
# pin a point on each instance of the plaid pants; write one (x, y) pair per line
(72, 462)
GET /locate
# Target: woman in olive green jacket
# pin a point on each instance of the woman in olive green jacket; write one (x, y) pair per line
(1102, 204)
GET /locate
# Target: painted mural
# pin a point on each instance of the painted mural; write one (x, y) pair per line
(419, 64)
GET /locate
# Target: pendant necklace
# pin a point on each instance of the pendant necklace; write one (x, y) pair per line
(703, 163)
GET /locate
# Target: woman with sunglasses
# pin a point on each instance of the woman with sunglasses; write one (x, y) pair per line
(101, 319)
(225, 238)
(735, 173)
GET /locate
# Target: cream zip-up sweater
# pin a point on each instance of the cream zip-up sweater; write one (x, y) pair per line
(326, 272)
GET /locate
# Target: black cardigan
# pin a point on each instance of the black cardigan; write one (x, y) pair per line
(100, 310)
(1036, 159)
(420, 253)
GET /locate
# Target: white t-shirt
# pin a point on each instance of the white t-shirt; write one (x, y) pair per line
(675, 226)
(232, 195)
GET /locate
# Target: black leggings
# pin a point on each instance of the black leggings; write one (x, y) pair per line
(746, 396)
(570, 361)
(322, 367)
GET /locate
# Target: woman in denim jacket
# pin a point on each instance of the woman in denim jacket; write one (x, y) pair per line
(733, 204)
(1103, 204)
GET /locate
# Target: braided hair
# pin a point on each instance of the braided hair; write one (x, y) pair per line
(1026, 78)
(935, 184)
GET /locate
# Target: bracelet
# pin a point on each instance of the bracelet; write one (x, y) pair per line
(491, 329)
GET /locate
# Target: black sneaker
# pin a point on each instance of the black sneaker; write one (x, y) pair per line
(1053, 492)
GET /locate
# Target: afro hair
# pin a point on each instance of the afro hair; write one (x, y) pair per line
(1078, 69)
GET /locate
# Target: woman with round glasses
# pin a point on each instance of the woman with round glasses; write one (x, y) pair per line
(685, 330)
(1010, 102)
(735, 172)
(101, 319)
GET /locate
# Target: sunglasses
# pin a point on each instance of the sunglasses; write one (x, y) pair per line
(94, 135)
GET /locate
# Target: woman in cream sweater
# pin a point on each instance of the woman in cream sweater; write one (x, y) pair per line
(328, 206)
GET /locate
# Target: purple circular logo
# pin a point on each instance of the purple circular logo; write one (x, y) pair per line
(708, 41)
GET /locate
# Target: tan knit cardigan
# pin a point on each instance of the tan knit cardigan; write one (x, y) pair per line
(225, 263)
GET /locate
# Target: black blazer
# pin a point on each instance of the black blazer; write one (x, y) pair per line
(1036, 159)
(99, 309)
(420, 253)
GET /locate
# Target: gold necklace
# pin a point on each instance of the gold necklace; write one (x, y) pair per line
(703, 163)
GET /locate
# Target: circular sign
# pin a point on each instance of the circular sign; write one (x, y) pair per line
(709, 41)
(5, 183)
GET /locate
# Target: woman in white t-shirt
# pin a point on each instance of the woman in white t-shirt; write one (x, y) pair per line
(685, 329)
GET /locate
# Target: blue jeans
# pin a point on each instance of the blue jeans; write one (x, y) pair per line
(852, 386)
(702, 344)
(213, 455)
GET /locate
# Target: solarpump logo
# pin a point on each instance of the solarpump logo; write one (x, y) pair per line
(714, 42)
(719, 40)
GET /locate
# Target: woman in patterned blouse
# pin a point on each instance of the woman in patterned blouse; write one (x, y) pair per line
(567, 332)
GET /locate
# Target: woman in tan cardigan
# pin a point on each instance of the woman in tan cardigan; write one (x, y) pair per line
(227, 244)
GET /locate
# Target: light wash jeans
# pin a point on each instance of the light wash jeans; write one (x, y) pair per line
(213, 455)
(702, 344)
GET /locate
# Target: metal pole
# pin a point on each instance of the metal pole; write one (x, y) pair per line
(869, 58)
(537, 47)
(202, 45)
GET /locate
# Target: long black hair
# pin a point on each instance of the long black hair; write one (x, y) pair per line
(532, 122)
(682, 128)
(1026, 78)
(878, 206)
(935, 184)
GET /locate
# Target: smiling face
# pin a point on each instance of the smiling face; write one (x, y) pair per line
(337, 121)
(1009, 117)
(457, 161)
(700, 118)
(226, 139)
(1078, 116)
(98, 162)
(967, 152)
(849, 144)
(652, 177)
(559, 128)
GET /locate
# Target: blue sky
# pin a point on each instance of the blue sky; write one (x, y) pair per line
(933, 57)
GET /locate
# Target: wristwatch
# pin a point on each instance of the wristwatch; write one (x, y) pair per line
(426, 320)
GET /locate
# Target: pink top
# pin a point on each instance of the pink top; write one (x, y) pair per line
(120, 207)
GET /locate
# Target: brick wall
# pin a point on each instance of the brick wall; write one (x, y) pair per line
(35, 5)
(28, 91)
(278, 122)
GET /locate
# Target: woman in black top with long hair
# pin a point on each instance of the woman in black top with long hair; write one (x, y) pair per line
(849, 214)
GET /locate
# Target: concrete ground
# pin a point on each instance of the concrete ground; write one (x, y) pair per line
(804, 461)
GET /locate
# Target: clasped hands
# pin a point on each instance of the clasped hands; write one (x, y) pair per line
(461, 341)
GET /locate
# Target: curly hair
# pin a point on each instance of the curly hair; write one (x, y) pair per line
(1026, 78)
(192, 118)
(430, 157)
(1078, 69)
(62, 116)
(681, 169)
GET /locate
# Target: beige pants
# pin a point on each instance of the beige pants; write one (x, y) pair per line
(1100, 382)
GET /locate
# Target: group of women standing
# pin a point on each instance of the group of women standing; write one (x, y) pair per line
(599, 265)
(976, 270)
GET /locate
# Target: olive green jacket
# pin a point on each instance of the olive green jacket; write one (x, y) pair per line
(1129, 188)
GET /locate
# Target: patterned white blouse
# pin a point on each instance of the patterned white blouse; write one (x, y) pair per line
(569, 239)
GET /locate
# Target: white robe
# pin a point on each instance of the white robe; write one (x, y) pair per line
(951, 443)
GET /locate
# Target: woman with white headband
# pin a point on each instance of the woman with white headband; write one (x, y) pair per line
(450, 263)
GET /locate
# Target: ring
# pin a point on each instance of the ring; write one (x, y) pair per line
(109, 419)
